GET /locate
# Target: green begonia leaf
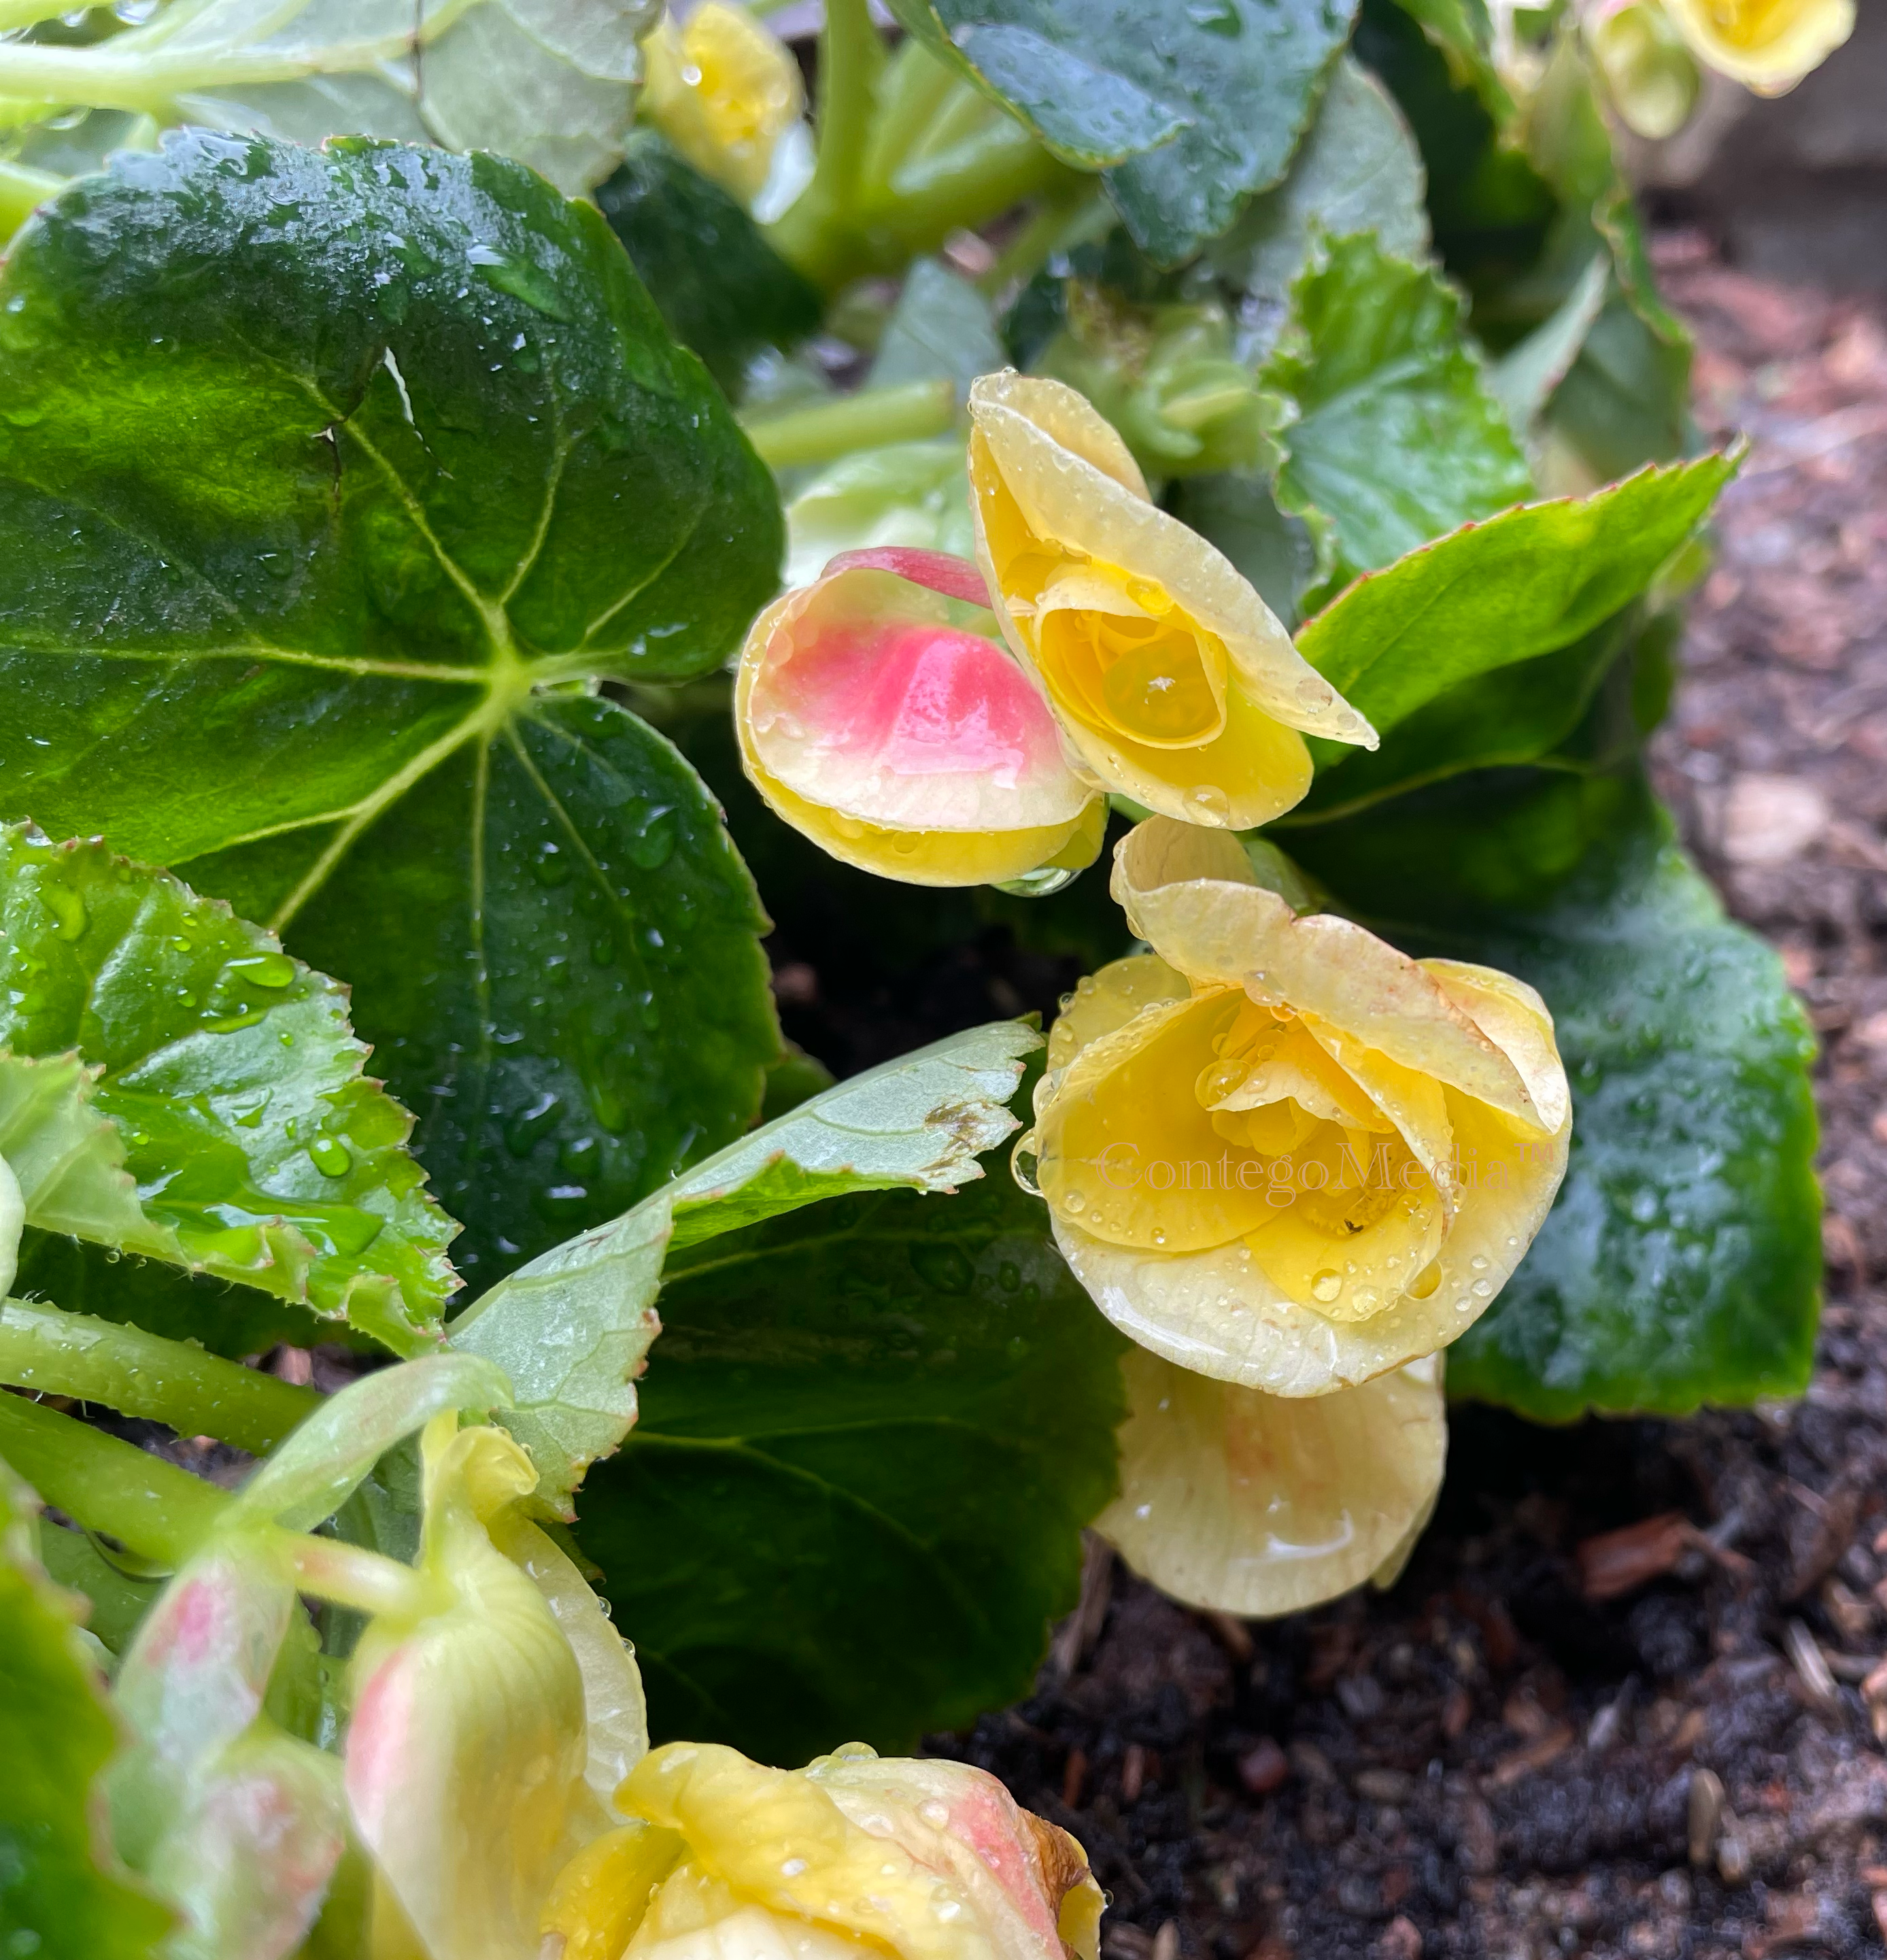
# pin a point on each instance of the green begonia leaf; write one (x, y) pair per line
(870, 1434)
(1357, 169)
(722, 288)
(1490, 596)
(173, 1085)
(1681, 1263)
(60, 1892)
(1510, 715)
(572, 1329)
(941, 329)
(1490, 208)
(319, 474)
(1190, 107)
(1398, 438)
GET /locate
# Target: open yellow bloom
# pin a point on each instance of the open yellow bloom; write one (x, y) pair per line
(1174, 680)
(874, 717)
(1766, 45)
(1254, 1504)
(852, 1858)
(1276, 1151)
(724, 91)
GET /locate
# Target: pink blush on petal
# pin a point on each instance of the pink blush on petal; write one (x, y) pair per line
(921, 698)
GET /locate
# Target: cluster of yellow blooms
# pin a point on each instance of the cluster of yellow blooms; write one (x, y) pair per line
(1648, 51)
(1290, 1163)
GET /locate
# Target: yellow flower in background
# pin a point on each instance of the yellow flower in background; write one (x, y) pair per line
(1258, 1505)
(1174, 682)
(1276, 1151)
(878, 715)
(1648, 73)
(851, 1858)
(1766, 45)
(724, 89)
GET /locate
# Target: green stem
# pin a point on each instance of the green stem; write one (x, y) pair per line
(968, 186)
(1038, 239)
(868, 420)
(22, 191)
(155, 1509)
(143, 1374)
(349, 1575)
(812, 234)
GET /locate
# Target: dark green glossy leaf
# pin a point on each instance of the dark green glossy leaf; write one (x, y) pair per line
(570, 1328)
(1189, 106)
(173, 1085)
(1521, 585)
(1399, 437)
(722, 288)
(1681, 1262)
(1491, 208)
(316, 470)
(871, 1433)
(58, 1894)
(1358, 169)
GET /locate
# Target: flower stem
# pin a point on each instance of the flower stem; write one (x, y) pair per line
(142, 1374)
(815, 234)
(22, 191)
(868, 420)
(349, 1575)
(155, 1509)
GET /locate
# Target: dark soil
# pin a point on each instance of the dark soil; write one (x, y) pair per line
(1544, 1741)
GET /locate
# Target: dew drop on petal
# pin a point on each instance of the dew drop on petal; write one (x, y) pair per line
(1478, 1264)
(934, 1812)
(1326, 1285)
(1210, 803)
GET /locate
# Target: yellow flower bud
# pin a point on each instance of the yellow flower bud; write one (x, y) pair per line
(850, 1858)
(724, 89)
(1172, 678)
(1278, 1152)
(1766, 45)
(1245, 1503)
(1648, 72)
(876, 717)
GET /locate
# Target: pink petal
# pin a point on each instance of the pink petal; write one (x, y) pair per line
(955, 577)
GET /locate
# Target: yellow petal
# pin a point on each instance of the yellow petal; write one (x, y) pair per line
(723, 89)
(601, 1896)
(1051, 482)
(1225, 928)
(1108, 1000)
(1766, 45)
(1249, 1504)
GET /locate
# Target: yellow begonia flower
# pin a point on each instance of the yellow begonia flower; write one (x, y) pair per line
(1174, 680)
(1275, 1150)
(724, 89)
(852, 1858)
(1649, 74)
(1766, 45)
(902, 740)
(1245, 1503)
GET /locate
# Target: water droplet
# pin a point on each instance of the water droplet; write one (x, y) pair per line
(68, 909)
(1366, 1299)
(529, 1123)
(1315, 694)
(1159, 1235)
(1143, 1511)
(331, 1157)
(1478, 1263)
(646, 1011)
(1009, 1276)
(1481, 1289)
(1039, 884)
(792, 1868)
(1025, 1163)
(943, 1266)
(934, 1813)
(1326, 1285)
(550, 867)
(651, 843)
(1210, 804)
(1423, 1285)
(272, 970)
